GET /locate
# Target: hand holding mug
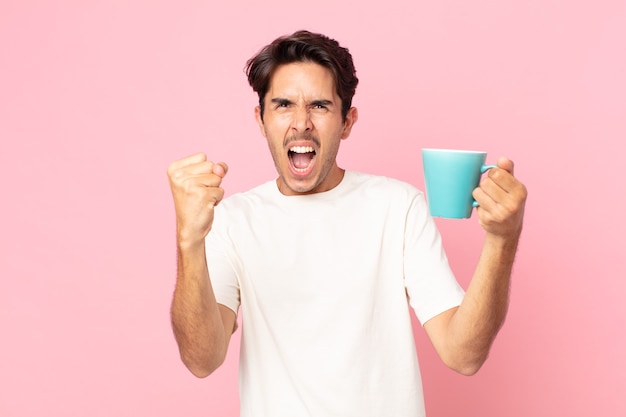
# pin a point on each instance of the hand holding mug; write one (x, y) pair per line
(501, 198)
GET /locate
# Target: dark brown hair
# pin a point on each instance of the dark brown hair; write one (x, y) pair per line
(304, 46)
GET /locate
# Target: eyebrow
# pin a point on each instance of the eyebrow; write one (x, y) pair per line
(320, 102)
(281, 101)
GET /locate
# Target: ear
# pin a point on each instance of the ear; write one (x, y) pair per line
(259, 120)
(351, 118)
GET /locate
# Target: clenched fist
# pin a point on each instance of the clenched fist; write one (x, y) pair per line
(195, 184)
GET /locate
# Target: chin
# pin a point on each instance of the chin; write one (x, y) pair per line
(297, 186)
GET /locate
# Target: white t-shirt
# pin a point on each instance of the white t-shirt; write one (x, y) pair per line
(323, 282)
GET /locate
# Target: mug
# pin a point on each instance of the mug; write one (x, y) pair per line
(451, 176)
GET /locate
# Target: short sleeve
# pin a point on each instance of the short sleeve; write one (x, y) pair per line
(430, 283)
(222, 262)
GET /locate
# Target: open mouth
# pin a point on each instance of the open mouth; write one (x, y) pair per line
(301, 158)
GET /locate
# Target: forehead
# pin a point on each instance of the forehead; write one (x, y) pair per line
(302, 78)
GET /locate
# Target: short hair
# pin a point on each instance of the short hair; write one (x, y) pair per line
(304, 46)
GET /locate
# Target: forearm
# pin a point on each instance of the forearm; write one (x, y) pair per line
(476, 322)
(196, 318)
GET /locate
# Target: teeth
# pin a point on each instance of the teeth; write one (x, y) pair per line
(301, 149)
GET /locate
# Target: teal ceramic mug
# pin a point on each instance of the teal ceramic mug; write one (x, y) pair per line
(450, 177)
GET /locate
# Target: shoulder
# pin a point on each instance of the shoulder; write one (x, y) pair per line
(383, 196)
(246, 202)
(381, 185)
(261, 192)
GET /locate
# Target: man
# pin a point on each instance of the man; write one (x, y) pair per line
(323, 262)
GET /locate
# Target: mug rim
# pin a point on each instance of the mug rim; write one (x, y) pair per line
(447, 150)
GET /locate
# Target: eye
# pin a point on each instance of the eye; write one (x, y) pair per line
(281, 103)
(321, 105)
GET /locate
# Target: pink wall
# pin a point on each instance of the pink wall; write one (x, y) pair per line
(96, 98)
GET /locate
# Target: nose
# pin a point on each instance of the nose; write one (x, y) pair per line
(301, 119)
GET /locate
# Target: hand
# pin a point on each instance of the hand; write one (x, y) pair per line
(502, 199)
(195, 184)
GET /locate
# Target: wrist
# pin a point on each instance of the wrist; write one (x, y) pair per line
(189, 241)
(501, 243)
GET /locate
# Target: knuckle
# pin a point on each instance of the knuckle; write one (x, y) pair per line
(497, 215)
(219, 195)
(523, 192)
(509, 206)
(495, 174)
(171, 169)
(178, 176)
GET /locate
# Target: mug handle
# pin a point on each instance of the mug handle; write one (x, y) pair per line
(483, 169)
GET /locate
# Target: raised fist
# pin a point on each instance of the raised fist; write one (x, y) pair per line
(195, 184)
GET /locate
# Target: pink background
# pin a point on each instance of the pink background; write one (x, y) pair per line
(96, 98)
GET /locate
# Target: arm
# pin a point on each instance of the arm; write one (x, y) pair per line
(202, 327)
(462, 336)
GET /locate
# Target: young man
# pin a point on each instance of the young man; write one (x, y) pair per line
(323, 262)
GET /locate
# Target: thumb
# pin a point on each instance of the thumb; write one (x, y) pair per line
(506, 164)
(220, 169)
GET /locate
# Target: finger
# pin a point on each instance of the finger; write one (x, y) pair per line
(489, 209)
(208, 167)
(201, 168)
(201, 174)
(489, 192)
(492, 193)
(180, 174)
(481, 198)
(216, 195)
(205, 178)
(192, 159)
(506, 164)
(219, 195)
(502, 178)
(184, 162)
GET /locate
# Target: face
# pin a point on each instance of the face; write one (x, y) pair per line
(303, 126)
